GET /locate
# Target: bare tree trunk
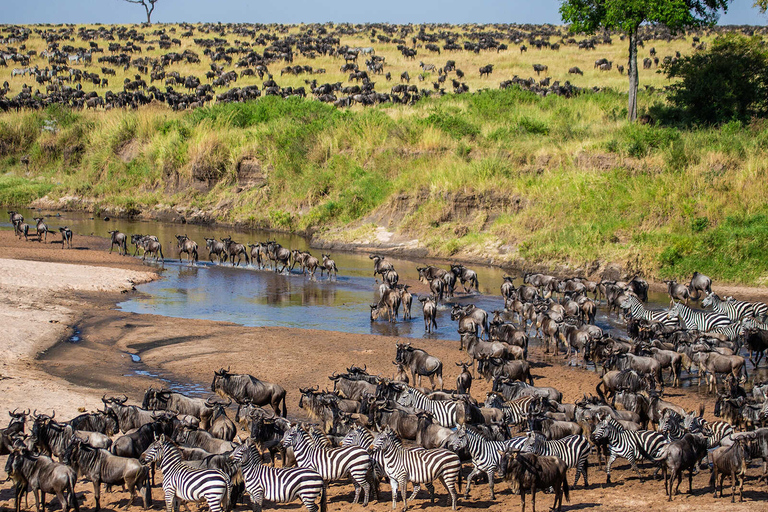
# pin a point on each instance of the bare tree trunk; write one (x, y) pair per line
(633, 75)
(149, 8)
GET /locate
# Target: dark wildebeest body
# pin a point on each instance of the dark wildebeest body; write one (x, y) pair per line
(678, 291)
(66, 237)
(278, 254)
(380, 265)
(187, 246)
(104, 422)
(531, 472)
(678, 456)
(99, 466)
(236, 249)
(217, 248)
(165, 400)
(241, 387)
(120, 240)
(429, 308)
(420, 363)
(699, 283)
(129, 417)
(42, 229)
(41, 475)
(731, 460)
(328, 265)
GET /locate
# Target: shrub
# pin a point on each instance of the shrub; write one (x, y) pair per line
(727, 82)
(452, 124)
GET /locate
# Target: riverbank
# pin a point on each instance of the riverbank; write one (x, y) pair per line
(46, 300)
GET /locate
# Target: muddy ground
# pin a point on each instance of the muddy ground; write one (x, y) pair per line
(70, 376)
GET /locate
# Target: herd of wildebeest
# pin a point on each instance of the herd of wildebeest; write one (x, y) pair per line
(74, 56)
(369, 428)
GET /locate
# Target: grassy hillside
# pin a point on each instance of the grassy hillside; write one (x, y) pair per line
(503, 175)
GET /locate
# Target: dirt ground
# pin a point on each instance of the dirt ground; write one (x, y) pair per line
(42, 305)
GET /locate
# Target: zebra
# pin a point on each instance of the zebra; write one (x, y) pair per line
(759, 309)
(278, 485)
(332, 463)
(485, 454)
(627, 444)
(704, 321)
(636, 309)
(443, 411)
(573, 450)
(671, 425)
(735, 310)
(715, 431)
(417, 466)
(515, 411)
(181, 481)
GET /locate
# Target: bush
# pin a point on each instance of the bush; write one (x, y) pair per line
(452, 124)
(727, 82)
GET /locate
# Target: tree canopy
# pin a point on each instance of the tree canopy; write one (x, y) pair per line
(627, 16)
(149, 6)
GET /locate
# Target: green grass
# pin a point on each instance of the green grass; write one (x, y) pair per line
(551, 180)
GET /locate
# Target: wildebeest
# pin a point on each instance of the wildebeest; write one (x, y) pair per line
(278, 254)
(677, 291)
(380, 265)
(52, 438)
(240, 387)
(40, 474)
(150, 245)
(478, 317)
(66, 237)
(188, 246)
(120, 240)
(486, 70)
(678, 456)
(104, 422)
(42, 229)
(99, 466)
(699, 283)
(166, 400)
(464, 380)
(429, 308)
(529, 471)
(328, 265)
(539, 68)
(388, 305)
(236, 249)
(731, 460)
(420, 363)
(129, 416)
(217, 248)
(575, 71)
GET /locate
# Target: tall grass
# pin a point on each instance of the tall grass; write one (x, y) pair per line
(502, 173)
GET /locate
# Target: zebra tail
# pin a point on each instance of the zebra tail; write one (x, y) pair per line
(324, 500)
(565, 490)
(458, 481)
(600, 392)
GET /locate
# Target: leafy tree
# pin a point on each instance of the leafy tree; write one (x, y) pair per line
(725, 83)
(762, 5)
(627, 16)
(149, 6)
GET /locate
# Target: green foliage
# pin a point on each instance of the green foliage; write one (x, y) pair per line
(639, 141)
(729, 81)
(454, 124)
(736, 250)
(267, 109)
(16, 191)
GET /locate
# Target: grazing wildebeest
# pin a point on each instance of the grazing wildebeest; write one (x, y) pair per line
(42, 229)
(420, 363)
(575, 71)
(40, 474)
(678, 456)
(240, 387)
(531, 472)
(429, 308)
(388, 306)
(99, 466)
(539, 68)
(217, 248)
(66, 237)
(699, 283)
(465, 275)
(120, 240)
(188, 246)
(486, 70)
(329, 265)
(678, 291)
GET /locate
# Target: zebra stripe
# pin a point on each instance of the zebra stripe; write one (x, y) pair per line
(627, 444)
(515, 411)
(279, 485)
(671, 425)
(188, 484)
(573, 450)
(735, 310)
(703, 321)
(485, 453)
(417, 466)
(637, 310)
(715, 431)
(443, 411)
(332, 463)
